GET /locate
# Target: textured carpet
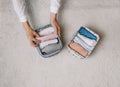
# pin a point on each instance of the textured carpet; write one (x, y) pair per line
(22, 66)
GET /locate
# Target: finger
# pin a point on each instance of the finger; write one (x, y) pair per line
(36, 40)
(59, 34)
(36, 34)
(55, 28)
(33, 44)
(58, 31)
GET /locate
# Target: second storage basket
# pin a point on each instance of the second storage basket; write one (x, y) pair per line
(83, 42)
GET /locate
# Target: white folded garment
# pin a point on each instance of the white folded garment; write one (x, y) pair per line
(47, 31)
(75, 53)
(82, 43)
(44, 44)
(88, 41)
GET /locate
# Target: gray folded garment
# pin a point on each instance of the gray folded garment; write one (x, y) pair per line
(51, 48)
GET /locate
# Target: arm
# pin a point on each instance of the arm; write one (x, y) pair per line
(54, 8)
(21, 10)
(31, 34)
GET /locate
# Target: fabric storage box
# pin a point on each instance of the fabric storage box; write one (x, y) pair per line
(83, 42)
(51, 43)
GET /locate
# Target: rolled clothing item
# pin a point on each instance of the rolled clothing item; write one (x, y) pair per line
(78, 48)
(90, 42)
(82, 43)
(51, 48)
(48, 37)
(83, 31)
(44, 44)
(46, 31)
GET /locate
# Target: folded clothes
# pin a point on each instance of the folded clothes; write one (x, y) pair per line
(83, 31)
(75, 53)
(78, 48)
(88, 41)
(82, 43)
(47, 31)
(51, 48)
(48, 37)
(43, 44)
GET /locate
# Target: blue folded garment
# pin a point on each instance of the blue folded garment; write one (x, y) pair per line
(83, 31)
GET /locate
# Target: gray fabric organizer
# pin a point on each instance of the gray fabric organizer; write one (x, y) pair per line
(51, 49)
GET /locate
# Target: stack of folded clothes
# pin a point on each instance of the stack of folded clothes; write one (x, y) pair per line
(50, 41)
(83, 42)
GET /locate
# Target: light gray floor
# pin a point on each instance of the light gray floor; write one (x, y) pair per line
(22, 66)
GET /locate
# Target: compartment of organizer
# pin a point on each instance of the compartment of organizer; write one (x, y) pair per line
(50, 41)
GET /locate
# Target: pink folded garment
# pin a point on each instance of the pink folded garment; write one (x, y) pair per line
(78, 48)
(48, 37)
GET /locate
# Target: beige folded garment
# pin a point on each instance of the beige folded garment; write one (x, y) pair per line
(78, 48)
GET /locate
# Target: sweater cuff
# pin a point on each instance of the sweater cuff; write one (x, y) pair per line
(54, 10)
(23, 19)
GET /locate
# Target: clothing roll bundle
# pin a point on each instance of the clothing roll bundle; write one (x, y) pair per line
(50, 41)
(83, 42)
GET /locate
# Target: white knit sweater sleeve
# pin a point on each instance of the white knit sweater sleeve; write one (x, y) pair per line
(21, 9)
(55, 5)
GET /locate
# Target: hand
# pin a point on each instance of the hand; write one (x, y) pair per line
(31, 34)
(55, 23)
(32, 37)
